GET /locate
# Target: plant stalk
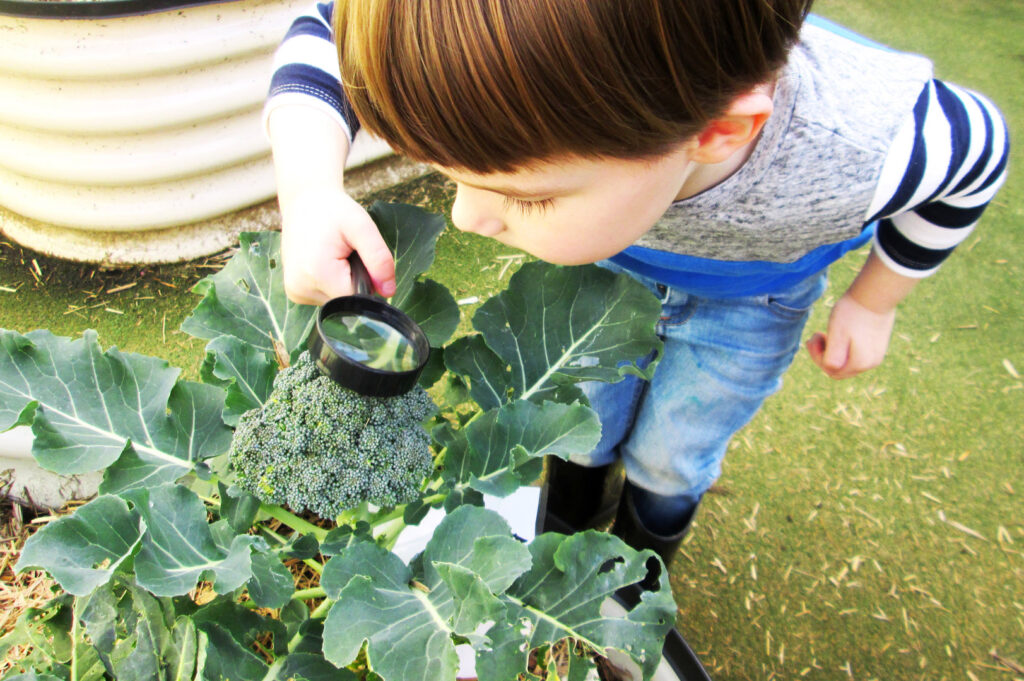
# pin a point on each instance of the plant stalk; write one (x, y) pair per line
(387, 533)
(315, 566)
(74, 640)
(293, 521)
(321, 610)
(309, 594)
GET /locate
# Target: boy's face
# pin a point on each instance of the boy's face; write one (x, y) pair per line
(573, 211)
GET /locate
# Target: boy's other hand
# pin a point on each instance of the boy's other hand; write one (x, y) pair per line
(856, 341)
(317, 236)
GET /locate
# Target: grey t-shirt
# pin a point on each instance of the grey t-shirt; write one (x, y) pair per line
(838, 104)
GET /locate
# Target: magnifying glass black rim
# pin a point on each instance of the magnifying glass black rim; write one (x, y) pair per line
(355, 375)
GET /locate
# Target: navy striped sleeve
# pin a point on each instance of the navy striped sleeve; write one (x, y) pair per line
(306, 69)
(945, 165)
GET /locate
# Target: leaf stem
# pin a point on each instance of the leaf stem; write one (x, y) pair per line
(293, 521)
(209, 501)
(309, 594)
(74, 640)
(315, 566)
(352, 517)
(387, 533)
(434, 499)
(321, 610)
(263, 649)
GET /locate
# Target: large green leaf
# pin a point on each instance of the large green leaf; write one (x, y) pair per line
(307, 667)
(411, 233)
(246, 300)
(228, 660)
(137, 636)
(179, 546)
(88, 407)
(506, 445)
(561, 596)
(272, 584)
(391, 616)
(408, 617)
(555, 326)
(432, 307)
(474, 582)
(83, 550)
(478, 540)
(246, 373)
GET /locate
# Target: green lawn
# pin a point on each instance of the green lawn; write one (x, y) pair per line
(874, 528)
(865, 529)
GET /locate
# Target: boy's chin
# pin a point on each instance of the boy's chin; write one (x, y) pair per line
(573, 260)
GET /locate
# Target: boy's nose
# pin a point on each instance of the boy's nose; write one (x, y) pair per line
(471, 214)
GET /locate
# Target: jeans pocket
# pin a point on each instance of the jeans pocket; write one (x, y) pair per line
(780, 307)
(798, 300)
(676, 315)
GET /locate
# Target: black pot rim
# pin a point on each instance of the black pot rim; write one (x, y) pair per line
(96, 9)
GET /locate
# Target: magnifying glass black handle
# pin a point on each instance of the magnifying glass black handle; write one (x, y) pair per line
(354, 374)
(360, 277)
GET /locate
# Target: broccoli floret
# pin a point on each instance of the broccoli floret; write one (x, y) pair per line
(316, 445)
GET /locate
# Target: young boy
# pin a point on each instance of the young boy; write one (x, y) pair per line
(723, 153)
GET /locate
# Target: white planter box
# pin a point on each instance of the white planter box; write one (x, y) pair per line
(117, 131)
(33, 485)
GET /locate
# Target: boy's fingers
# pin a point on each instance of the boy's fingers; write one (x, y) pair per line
(816, 347)
(376, 256)
(333, 279)
(837, 352)
(829, 353)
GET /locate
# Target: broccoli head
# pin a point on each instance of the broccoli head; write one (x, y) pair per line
(316, 445)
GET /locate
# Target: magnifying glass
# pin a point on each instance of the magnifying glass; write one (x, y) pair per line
(366, 345)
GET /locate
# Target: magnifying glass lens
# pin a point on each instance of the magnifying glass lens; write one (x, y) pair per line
(370, 341)
(366, 345)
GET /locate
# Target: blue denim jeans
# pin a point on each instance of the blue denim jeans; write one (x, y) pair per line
(722, 359)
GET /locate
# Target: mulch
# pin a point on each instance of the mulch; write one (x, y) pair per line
(29, 589)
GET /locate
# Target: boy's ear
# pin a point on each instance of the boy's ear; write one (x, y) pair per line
(736, 128)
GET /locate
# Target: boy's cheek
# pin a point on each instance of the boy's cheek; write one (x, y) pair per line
(568, 248)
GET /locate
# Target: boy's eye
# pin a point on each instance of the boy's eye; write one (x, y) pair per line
(526, 207)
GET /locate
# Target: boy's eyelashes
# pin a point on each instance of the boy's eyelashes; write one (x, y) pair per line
(526, 207)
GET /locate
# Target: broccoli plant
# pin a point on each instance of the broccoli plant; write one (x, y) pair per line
(316, 445)
(176, 570)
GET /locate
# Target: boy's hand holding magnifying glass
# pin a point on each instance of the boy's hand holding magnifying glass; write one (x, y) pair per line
(321, 224)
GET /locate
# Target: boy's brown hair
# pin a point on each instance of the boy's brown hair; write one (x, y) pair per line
(495, 85)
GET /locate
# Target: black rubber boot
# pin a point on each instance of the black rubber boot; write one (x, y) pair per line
(630, 528)
(576, 498)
